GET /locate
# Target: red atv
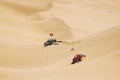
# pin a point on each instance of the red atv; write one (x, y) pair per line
(78, 58)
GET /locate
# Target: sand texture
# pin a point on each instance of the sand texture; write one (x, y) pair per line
(91, 27)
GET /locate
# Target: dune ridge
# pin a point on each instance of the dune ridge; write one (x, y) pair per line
(26, 8)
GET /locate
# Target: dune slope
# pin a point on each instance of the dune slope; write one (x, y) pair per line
(90, 27)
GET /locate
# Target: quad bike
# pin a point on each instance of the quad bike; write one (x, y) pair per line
(75, 61)
(78, 58)
(50, 42)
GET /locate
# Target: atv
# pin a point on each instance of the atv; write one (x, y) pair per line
(50, 42)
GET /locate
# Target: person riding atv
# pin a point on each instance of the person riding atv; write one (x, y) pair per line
(78, 58)
(49, 42)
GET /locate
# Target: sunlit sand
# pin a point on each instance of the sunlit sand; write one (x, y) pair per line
(91, 27)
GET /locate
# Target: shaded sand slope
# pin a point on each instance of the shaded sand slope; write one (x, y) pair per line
(19, 27)
(22, 36)
(27, 6)
(36, 31)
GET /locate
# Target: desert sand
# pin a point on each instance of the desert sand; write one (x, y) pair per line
(91, 27)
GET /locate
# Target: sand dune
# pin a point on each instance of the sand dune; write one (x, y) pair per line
(103, 57)
(36, 29)
(94, 16)
(27, 33)
(103, 61)
(103, 43)
(25, 7)
(90, 27)
(29, 28)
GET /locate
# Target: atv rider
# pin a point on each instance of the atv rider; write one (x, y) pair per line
(78, 58)
(49, 42)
